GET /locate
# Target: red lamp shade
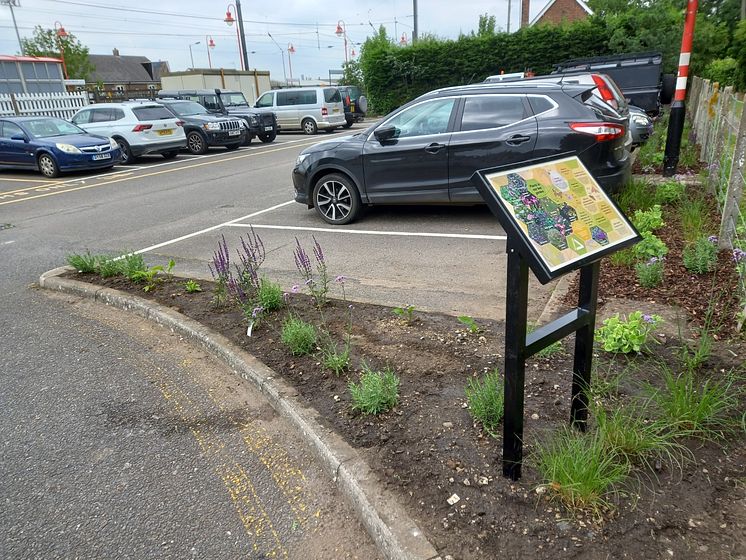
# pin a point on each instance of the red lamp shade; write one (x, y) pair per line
(229, 18)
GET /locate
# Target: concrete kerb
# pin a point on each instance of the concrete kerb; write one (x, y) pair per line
(395, 534)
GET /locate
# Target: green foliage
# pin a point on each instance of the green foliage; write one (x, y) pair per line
(631, 335)
(738, 51)
(148, 276)
(192, 287)
(298, 336)
(650, 273)
(650, 246)
(638, 194)
(486, 26)
(109, 267)
(485, 399)
(693, 359)
(269, 296)
(377, 392)
(722, 70)
(625, 257)
(469, 322)
(45, 42)
(352, 75)
(405, 312)
(133, 265)
(335, 358)
(702, 255)
(86, 263)
(579, 470)
(648, 220)
(669, 192)
(693, 213)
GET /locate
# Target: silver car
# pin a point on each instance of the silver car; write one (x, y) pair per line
(306, 109)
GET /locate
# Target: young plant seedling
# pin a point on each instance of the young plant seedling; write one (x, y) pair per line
(192, 287)
(405, 312)
(470, 323)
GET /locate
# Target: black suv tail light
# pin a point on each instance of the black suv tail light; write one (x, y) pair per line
(605, 91)
(603, 131)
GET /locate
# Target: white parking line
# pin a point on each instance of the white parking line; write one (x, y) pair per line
(370, 232)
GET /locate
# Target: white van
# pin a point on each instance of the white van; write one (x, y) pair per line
(306, 109)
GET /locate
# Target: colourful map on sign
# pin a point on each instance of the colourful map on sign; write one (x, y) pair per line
(562, 210)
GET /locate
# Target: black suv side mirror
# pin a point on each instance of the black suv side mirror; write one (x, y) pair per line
(386, 133)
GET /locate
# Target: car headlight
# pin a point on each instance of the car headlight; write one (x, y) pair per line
(241, 124)
(68, 148)
(301, 159)
(211, 126)
(640, 120)
(113, 144)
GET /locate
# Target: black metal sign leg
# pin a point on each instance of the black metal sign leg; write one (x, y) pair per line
(581, 371)
(515, 368)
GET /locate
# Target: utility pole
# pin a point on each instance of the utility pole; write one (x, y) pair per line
(239, 17)
(678, 107)
(17, 4)
(415, 34)
(509, 4)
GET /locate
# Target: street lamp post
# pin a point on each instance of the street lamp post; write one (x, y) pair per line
(61, 34)
(342, 32)
(210, 44)
(291, 51)
(191, 56)
(229, 19)
(282, 52)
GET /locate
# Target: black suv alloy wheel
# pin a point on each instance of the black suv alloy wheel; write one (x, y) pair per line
(336, 199)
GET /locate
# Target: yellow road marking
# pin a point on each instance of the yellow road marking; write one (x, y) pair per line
(29, 180)
(154, 173)
(58, 184)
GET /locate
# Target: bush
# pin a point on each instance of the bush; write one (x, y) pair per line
(298, 336)
(650, 246)
(670, 192)
(270, 295)
(650, 273)
(84, 263)
(377, 392)
(133, 266)
(485, 399)
(722, 70)
(702, 255)
(648, 220)
(630, 335)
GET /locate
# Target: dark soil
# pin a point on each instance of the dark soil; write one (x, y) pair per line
(427, 448)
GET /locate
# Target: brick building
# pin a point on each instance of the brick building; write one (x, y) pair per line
(556, 12)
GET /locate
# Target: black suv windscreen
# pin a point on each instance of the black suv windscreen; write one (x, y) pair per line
(152, 113)
(187, 108)
(233, 99)
(331, 95)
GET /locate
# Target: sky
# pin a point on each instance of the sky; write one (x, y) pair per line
(164, 30)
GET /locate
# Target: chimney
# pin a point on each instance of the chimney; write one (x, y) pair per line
(115, 52)
(524, 13)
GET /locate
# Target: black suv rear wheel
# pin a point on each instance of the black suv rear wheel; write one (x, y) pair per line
(269, 137)
(196, 143)
(336, 199)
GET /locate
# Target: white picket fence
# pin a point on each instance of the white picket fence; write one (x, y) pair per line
(62, 105)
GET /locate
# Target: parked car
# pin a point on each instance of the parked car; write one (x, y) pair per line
(427, 151)
(52, 146)
(640, 126)
(355, 104)
(262, 125)
(140, 128)
(204, 129)
(306, 109)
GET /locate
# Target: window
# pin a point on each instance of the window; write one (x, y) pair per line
(285, 98)
(46, 127)
(101, 115)
(307, 97)
(152, 113)
(117, 114)
(209, 101)
(331, 95)
(10, 129)
(540, 104)
(83, 117)
(492, 111)
(265, 100)
(430, 117)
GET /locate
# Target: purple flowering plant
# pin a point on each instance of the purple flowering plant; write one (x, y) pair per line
(315, 276)
(650, 272)
(220, 268)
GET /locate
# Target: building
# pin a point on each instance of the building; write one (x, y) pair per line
(252, 83)
(555, 12)
(118, 77)
(31, 74)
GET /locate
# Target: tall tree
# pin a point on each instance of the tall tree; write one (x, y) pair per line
(45, 42)
(487, 25)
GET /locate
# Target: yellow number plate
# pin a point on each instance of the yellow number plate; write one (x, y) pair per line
(165, 132)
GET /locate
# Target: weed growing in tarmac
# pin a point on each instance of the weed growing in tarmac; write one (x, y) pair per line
(192, 287)
(627, 335)
(405, 312)
(377, 392)
(485, 399)
(702, 255)
(298, 336)
(469, 322)
(86, 263)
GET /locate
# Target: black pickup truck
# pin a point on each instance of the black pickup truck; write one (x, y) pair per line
(230, 103)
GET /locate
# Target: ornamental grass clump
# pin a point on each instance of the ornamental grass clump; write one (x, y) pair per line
(623, 336)
(701, 256)
(298, 336)
(86, 263)
(377, 392)
(650, 272)
(485, 400)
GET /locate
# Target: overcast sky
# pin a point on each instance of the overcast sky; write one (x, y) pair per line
(163, 30)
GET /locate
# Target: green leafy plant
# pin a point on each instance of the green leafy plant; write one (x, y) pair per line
(405, 312)
(170, 267)
(702, 255)
(149, 277)
(669, 192)
(485, 399)
(630, 335)
(192, 287)
(650, 246)
(334, 357)
(625, 257)
(648, 220)
(298, 336)
(109, 267)
(469, 322)
(133, 265)
(86, 263)
(638, 194)
(650, 272)
(270, 295)
(377, 392)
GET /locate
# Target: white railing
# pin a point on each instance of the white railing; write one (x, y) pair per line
(62, 105)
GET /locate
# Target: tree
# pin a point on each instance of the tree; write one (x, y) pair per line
(45, 42)
(353, 75)
(486, 25)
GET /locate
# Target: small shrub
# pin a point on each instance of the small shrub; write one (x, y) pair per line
(405, 312)
(270, 295)
(624, 336)
(133, 266)
(579, 470)
(722, 70)
(334, 358)
(670, 192)
(485, 400)
(648, 220)
(469, 322)
(298, 336)
(84, 263)
(650, 246)
(650, 272)
(109, 267)
(701, 256)
(377, 392)
(192, 287)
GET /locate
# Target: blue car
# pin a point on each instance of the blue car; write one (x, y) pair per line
(53, 145)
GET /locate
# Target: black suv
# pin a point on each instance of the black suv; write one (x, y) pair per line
(427, 151)
(204, 129)
(355, 104)
(232, 103)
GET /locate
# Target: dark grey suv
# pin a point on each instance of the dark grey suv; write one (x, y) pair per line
(427, 151)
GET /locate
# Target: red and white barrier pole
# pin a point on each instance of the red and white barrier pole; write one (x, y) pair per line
(678, 108)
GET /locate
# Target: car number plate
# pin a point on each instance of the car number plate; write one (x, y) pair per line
(234, 132)
(335, 110)
(165, 132)
(101, 156)
(267, 128)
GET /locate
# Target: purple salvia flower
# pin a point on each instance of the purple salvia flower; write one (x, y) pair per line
(317, 252)
(302, 262)
(713, 239)
(221, 262)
